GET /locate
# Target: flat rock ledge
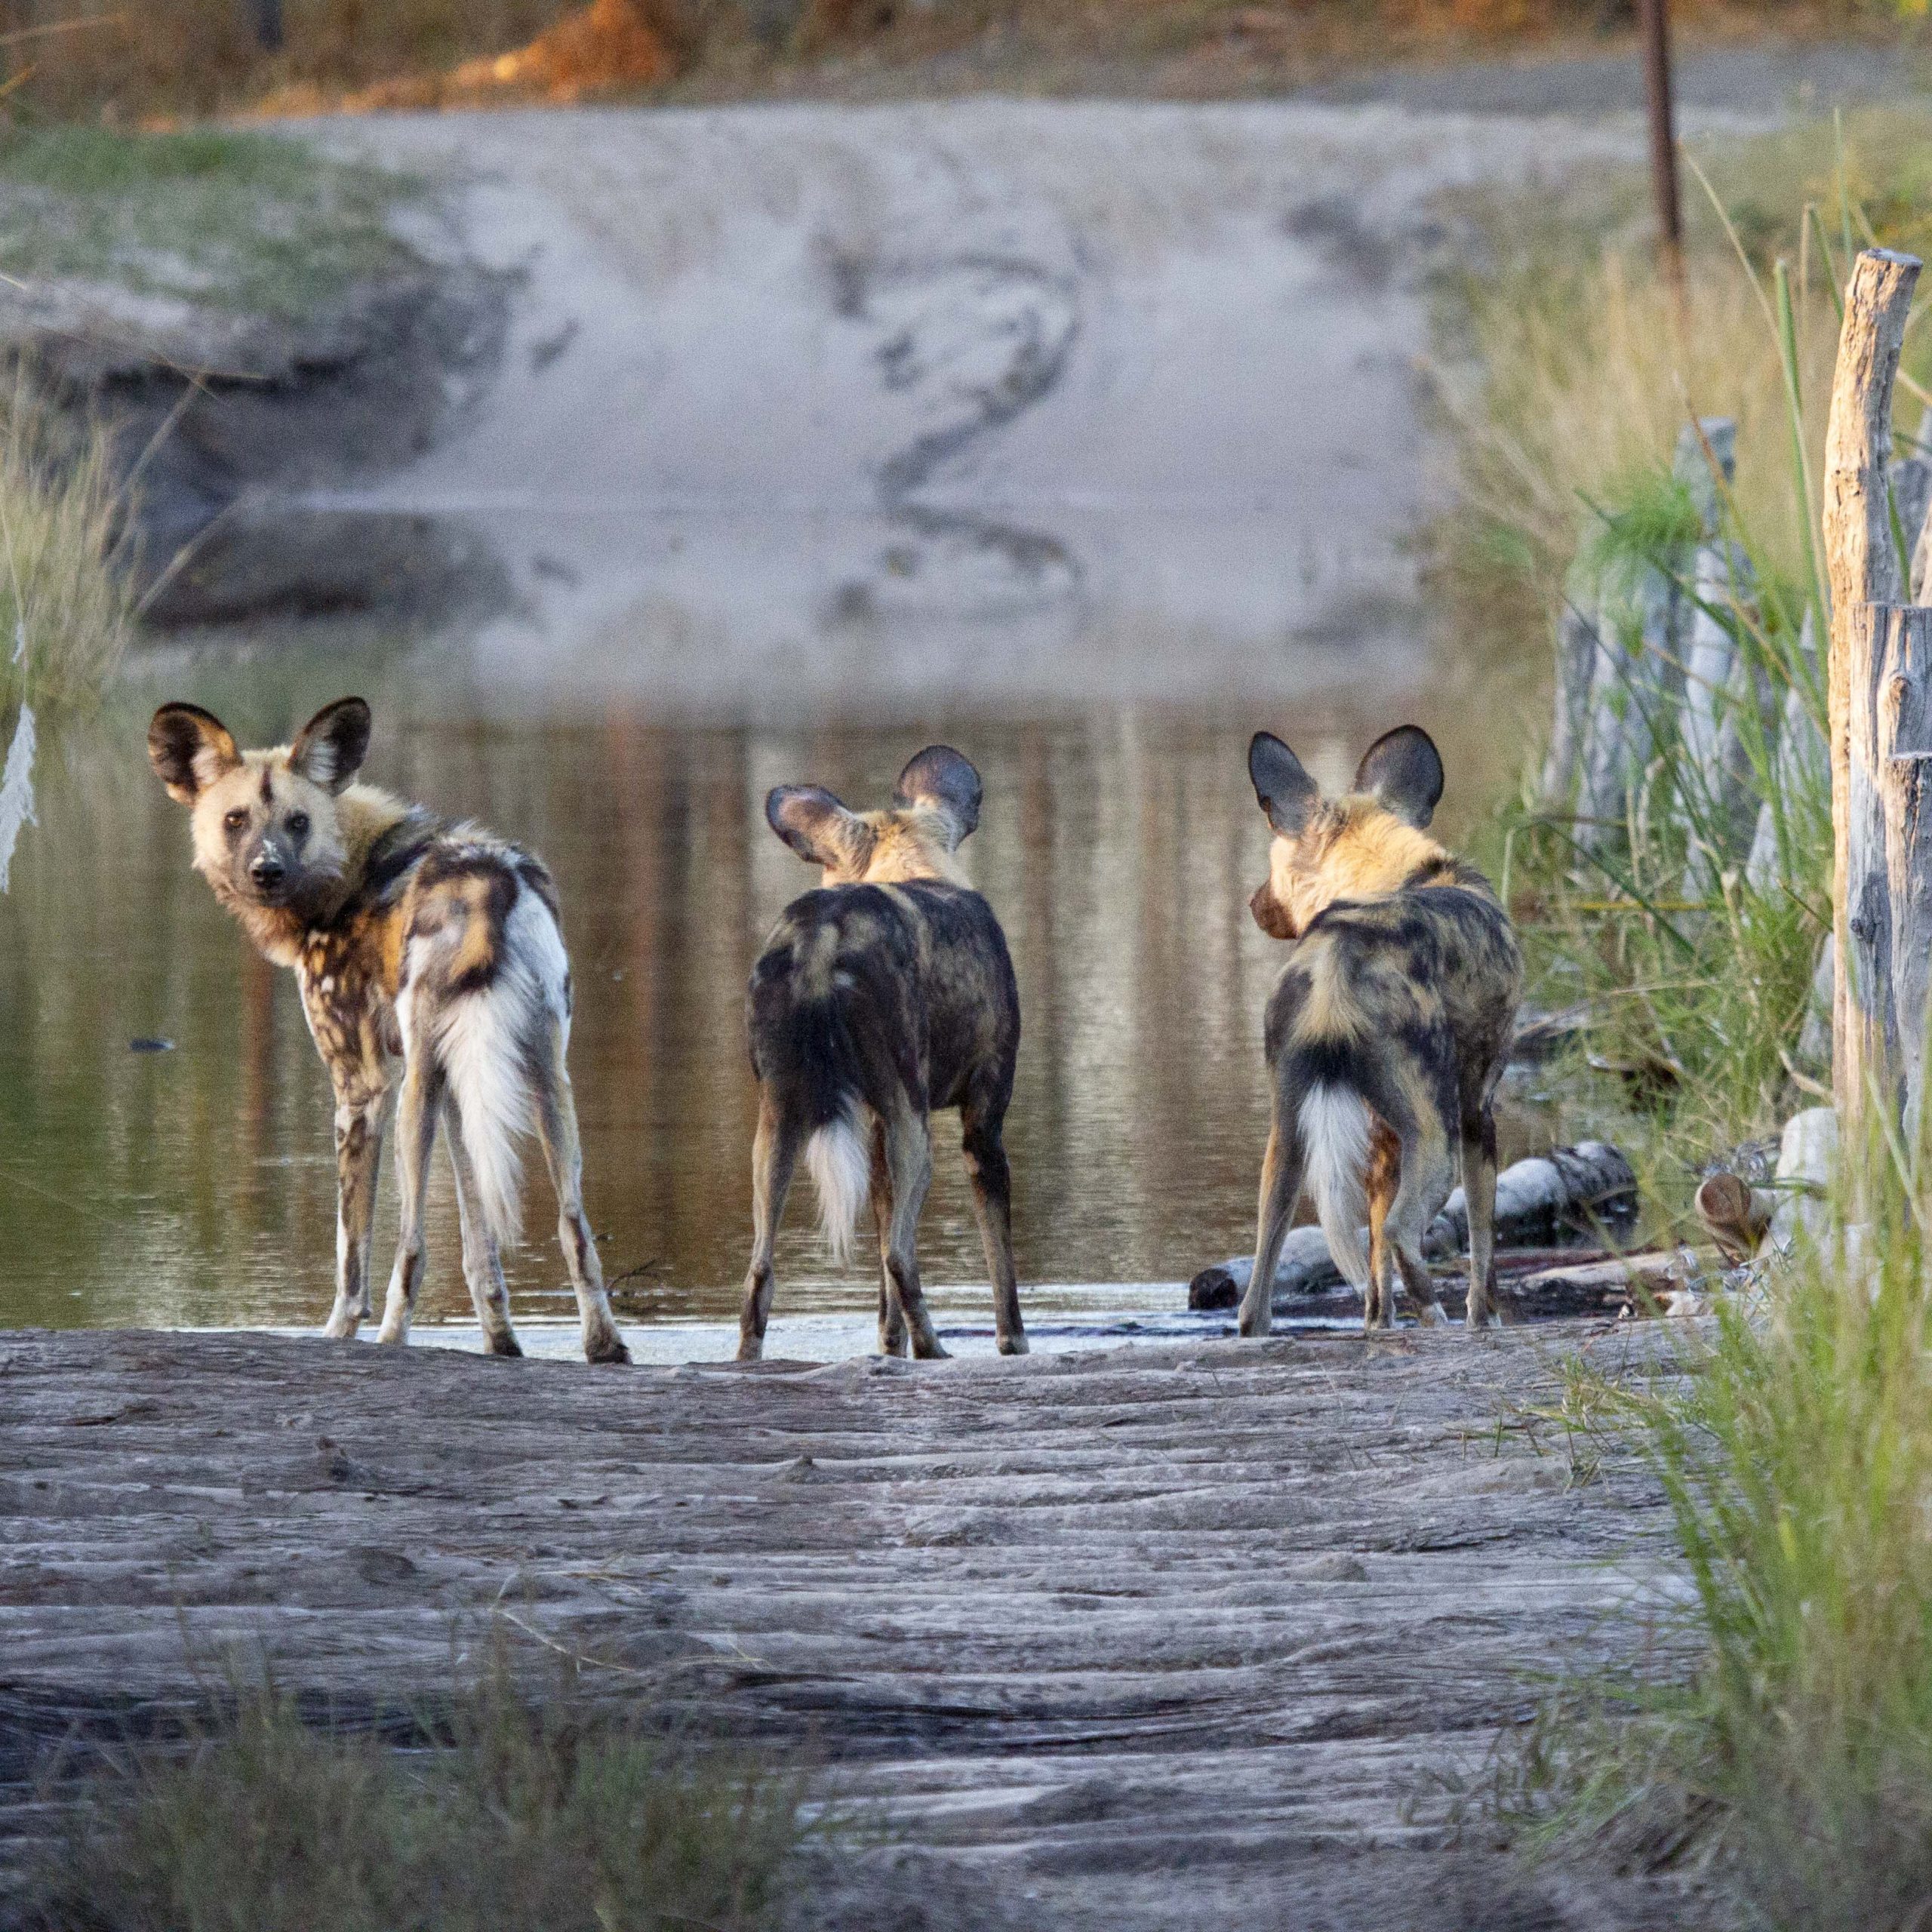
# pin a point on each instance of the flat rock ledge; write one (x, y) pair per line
(1165, 1636)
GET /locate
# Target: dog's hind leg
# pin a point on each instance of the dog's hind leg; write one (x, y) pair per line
(775, 1149)
(892, 1316)
(992, 1206)
(418, 1111)
(1384, 1175)
(482, 1261)
(1479, 1191)
(1419, 1193)
(1281, 1186)
(361, 1112)
(563, 1153)
(908, 1157)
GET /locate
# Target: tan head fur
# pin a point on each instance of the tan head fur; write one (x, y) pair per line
(1360, 846)
(935, 807)
(275, 831)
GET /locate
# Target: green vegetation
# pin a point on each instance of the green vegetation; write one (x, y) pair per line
(66, 609)
(1694, 975)
(1781, 1737)
(504, 1815)
(244, 221)
(1797, 1753)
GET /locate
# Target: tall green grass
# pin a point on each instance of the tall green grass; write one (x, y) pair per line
(503, 1814)
(1794, 1755)
(1782, 1736)
(1694, 975)
(66, 610)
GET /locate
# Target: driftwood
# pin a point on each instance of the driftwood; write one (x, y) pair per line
(1637, 681)
(1557, 1286)
(1865, 569)
(1801, 763)
(1735, 1214)
(1568, 1187)
(1887, 888)
(1106, 1628)
(1749, 1220)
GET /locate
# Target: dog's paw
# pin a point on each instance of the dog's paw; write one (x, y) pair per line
(1014, 1344)
(607, 1348)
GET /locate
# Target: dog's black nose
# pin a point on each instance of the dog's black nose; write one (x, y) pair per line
(267, 871)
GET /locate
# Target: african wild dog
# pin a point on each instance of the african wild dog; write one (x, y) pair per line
(886, 994)
(1388, 1029)
(427, 952)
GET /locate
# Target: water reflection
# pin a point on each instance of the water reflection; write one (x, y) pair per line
(195, 1185)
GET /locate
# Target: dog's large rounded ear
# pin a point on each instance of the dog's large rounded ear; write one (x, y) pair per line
(1286, 793)
(1402, 770)
(331, 746)
(812, 822)
(189, 748)
(941, 776)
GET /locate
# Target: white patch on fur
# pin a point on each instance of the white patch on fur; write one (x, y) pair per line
(480, 1040)
(1334, 1126)
(841, 1171)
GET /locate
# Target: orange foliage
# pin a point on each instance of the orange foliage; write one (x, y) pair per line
(610, 46)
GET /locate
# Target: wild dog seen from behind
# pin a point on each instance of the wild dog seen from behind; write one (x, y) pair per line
(1388, 1030)
(885, 994)
(431, 962)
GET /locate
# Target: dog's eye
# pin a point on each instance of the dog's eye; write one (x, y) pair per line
(235, 821)
(298, 825)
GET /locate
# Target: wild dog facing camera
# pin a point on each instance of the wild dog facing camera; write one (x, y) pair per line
(266, 825)
(430, 960)
(882, 997)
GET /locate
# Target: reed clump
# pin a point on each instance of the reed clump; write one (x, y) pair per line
(1682, 911)
(67, 607)
(1792, 1757)
(500, 1812)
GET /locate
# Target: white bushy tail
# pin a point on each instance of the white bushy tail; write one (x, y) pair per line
(1334, 1126)
(483, 1040)
(477, 1044)
(841, 1171)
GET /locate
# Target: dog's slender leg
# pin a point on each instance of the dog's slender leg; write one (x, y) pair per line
(563, 1153)
(892, 1316)
(908, 1154)
(418, 1111)
(774, 1154)
(1479, 1191)
(1281, 1186)
(362, 1110)
(1424, 1186)
(482, 1265)
(992, 1206)
(1385, 1167)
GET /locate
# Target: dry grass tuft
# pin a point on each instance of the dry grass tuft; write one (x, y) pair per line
(503, 1814)
(66, 610)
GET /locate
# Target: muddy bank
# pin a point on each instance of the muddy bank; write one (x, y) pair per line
(223, 421)
(1171, 1636)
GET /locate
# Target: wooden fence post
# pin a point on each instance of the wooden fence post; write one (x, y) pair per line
(1865, 569)
(1889, 887)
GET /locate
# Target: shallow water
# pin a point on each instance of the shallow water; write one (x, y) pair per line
(1083, 437)
(194, 1185)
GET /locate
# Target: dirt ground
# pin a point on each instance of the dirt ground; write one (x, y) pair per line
(1170, 1637)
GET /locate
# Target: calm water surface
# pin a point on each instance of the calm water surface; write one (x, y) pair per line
(195, 1185)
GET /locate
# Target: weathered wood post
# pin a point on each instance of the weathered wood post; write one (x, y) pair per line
(1876, 707)
(265, 16)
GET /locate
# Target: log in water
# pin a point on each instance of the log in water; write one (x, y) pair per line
(1569, 1188)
